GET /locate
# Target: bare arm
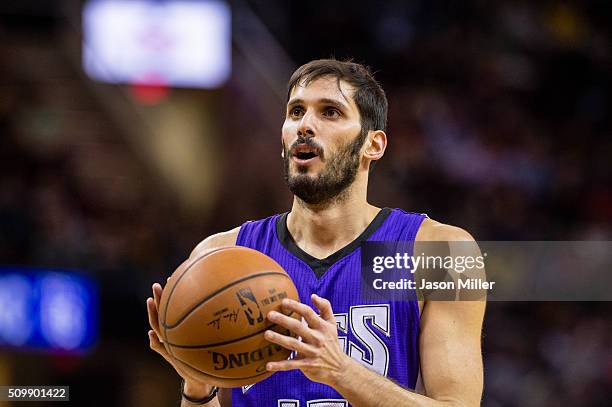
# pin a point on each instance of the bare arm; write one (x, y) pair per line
(451, 361)
(451, 333)
(193, 387)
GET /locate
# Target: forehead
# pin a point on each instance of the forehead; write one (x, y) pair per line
(326, 87)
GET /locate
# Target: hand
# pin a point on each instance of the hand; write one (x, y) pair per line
(319, 355)
(194, 387)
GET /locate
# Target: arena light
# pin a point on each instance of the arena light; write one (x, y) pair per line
(49, 310)
(179, 43)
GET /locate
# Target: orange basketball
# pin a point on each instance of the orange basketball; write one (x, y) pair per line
(212, 315)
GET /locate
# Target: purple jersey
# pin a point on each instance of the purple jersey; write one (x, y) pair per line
(383, 336)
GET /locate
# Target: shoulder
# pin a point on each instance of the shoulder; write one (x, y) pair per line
(439, 239)
(212, 242)
(432, 230)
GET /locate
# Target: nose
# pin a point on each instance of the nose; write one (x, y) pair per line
(306, 128)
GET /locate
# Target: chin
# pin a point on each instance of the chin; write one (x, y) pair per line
(303, 170)
(302, 175)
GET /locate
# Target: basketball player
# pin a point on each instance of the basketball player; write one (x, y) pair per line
(400, 353)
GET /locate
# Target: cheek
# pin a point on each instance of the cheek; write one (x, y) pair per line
(286, 132)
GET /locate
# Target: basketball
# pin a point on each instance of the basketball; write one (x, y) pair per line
(213, 311)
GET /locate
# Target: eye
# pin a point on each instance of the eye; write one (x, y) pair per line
(296, 111)
(331, 112)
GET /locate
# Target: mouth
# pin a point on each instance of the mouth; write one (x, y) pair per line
(304, 154)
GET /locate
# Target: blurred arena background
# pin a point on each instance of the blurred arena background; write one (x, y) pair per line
(499, 122)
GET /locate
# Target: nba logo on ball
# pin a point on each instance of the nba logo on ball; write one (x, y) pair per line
(249, 305)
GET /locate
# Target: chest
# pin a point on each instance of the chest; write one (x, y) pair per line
(368, 331)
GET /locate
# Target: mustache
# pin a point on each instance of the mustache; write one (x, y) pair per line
(308, 142)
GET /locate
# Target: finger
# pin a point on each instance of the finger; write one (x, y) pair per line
(159, 347)
(311, 317)
(289, 342)
(186, 371)
(157, 293)
(156, 345)
(324, 307)
(153, 317)
(292, 324)
(285, 365)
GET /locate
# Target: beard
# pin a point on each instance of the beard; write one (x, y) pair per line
(338, 174)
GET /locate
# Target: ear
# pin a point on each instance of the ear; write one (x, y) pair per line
(375, 145)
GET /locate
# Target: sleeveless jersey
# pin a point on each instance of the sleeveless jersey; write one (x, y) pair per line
(383, 336)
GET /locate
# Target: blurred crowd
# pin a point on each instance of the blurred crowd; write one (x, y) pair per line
(499, 122)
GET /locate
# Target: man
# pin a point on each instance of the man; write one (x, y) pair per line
(334, 131)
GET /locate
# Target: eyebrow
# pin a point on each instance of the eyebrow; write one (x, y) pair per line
(325, 101)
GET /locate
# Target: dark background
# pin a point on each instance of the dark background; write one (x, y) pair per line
(499, 123)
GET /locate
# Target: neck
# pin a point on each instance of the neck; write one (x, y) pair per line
(322, 229)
